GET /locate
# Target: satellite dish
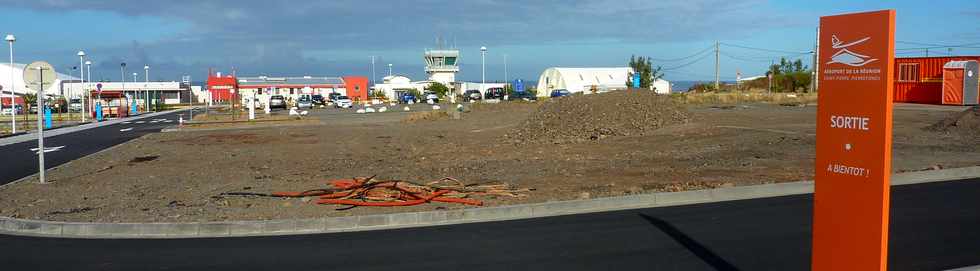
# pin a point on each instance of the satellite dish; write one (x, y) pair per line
(39, 74)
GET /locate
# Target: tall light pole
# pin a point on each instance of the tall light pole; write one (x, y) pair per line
(389, 69)
(81, 61)
(373, 79)
(122, 76)
(506, 79)
(88, 72)
(146, 72)
(71, 89)
(13, 104)
(483, 61)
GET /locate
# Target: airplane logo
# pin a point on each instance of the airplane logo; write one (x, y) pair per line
(846, 56)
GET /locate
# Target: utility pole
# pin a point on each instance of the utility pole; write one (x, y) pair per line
(373, 80)
(816, 53)
(717, 69)
(816, 63)
(770, 75)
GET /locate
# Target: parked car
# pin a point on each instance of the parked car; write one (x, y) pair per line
(406, 97)
(319, 100)
(494, 93)
(258, 103)
(472, 95)
(304, 102)
(343, 102)
(7, 110)
(75, 105)
(523, 95)
(560, 93)
(332, 97)
(277, 101)
(431, 96)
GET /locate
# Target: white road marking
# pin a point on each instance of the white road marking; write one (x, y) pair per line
(126, 122)
(140, 122)
(51, 149)
(126, 130)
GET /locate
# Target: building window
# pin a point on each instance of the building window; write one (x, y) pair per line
(908, 72)
(292, 91)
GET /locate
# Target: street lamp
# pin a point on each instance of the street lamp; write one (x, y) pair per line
(506, 78)
(88, 72)
(13, 104)
(71, 90)
(81, 60)
(373, 74)
(146, 72)
(483, 60)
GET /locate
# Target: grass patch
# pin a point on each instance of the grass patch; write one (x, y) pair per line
(745, 97)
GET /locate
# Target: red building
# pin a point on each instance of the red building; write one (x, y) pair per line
(225, 88)
(920, 79)
(222, 87)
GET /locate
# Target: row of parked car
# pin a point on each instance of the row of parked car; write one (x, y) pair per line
(307, 101)
(499, 93)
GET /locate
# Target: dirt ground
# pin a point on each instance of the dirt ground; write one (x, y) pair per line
(178, 176)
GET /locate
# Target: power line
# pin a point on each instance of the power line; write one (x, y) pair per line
(683, 58)
(687, 64)
(763, 58)
(763, 49)
(937, 45)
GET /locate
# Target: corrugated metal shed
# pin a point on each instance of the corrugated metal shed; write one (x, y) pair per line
(920, 79)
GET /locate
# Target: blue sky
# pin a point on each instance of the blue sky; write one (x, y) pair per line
(333, 38)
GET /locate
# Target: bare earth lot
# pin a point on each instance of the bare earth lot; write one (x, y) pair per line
(179, 175)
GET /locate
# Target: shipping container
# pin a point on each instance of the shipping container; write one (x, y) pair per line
(920, 79)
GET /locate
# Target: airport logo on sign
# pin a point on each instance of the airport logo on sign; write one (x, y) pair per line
(853, 63)
(846, 56)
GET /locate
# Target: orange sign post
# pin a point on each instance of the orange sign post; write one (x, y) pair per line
(854, 131)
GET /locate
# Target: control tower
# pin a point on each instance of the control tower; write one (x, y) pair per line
(442, 65)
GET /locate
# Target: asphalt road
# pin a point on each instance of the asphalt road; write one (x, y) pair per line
(934, 227)
(18, 160)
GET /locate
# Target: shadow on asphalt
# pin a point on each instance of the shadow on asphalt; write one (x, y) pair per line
(690, 244)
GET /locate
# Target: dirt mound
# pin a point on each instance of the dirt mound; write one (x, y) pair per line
(965, 124)
(579, 118)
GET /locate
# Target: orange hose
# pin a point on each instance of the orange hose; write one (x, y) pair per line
(384, 204)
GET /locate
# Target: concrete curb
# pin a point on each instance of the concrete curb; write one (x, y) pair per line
(66, 130)
(14, 226)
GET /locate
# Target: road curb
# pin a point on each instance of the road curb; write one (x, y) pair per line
(15, 226)
(66, 130)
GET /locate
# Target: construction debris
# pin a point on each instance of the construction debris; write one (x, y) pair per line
(389, 193)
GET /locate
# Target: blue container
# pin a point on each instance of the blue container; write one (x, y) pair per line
(98, 111)
(636, 80)
(47, 117)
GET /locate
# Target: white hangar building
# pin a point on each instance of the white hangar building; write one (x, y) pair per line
(577, 80)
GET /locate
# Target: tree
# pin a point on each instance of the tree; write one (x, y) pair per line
(643, 66)
(790, 75)
(438, 89)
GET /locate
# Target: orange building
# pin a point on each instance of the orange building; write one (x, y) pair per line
(920, 79)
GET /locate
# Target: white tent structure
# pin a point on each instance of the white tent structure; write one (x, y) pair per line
(582, 79)
(19, 85)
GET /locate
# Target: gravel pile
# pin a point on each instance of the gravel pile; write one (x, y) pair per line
(579, 118)
(965, 124)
